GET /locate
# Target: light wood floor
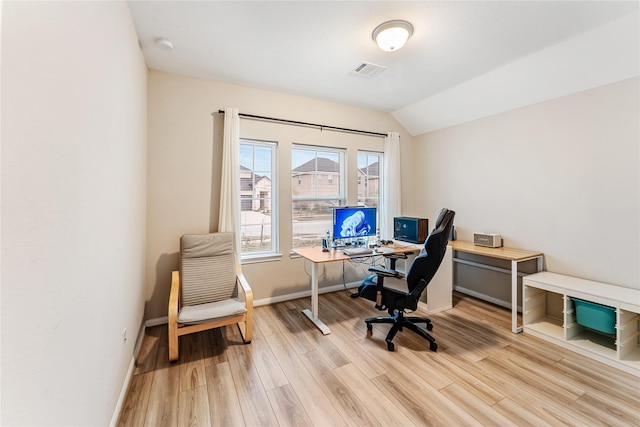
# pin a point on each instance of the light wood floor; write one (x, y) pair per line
(482, 374)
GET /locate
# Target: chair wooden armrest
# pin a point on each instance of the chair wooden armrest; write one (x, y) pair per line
(244, 285)
(247, 330)
(174, 300)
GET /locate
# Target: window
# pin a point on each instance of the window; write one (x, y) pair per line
(258, 197)
(370, 180)
(313, 199)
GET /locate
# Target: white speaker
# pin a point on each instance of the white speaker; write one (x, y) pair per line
(489, 240)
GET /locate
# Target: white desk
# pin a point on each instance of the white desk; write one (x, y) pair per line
(316, 256)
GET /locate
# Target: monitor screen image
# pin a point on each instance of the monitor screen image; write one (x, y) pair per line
(354, 222)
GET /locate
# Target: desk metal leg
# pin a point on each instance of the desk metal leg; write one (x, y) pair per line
(313, 313)
(514, 298)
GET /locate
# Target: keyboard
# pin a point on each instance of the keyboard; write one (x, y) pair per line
(357, 251)
(383, 251)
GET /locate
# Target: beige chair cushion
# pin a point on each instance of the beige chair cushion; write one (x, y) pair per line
(203, 312)
(207, 268)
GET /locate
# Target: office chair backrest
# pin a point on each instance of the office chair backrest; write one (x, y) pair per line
(425, 265)
(207, 268)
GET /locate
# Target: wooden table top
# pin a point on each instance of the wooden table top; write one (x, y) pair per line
(315, 254)
(502, 253)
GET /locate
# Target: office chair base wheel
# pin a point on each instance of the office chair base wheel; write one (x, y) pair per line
(369, 327)
(433, 346)
(429, 326)
(390, 346)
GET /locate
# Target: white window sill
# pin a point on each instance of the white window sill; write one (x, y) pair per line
(254, 259)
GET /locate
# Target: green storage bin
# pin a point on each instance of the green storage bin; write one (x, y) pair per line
(594, 316)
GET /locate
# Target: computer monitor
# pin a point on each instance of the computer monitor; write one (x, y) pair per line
(351, 222)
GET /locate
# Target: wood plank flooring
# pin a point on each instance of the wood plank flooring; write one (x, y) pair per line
(292, 375)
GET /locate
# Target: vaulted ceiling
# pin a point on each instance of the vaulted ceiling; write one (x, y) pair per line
(459, 51)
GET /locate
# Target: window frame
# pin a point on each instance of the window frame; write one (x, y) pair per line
(365, 182)
(340, 198)
(273, 251)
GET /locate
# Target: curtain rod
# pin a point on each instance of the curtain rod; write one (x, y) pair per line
(321, 127)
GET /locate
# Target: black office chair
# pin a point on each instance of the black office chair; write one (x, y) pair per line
(420, 273)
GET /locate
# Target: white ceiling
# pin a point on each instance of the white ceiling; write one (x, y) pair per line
(310, 48)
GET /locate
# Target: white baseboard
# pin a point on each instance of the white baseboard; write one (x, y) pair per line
(157, 321)
(271, 300)
(128, 377)
(303, 294)
(123, 393)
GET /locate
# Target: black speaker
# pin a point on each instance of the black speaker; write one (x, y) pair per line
(413, 230)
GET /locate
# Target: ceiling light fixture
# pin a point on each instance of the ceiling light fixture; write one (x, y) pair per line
(392, 35)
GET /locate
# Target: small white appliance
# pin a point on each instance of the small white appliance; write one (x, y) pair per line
(490, 240)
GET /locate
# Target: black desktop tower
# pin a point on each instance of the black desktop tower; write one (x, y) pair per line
(413, 230)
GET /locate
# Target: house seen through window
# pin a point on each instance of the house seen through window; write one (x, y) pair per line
(370, 180)
(317, 186)
(369, 183)
(258, 201)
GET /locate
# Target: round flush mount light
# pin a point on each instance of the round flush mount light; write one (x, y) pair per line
(392, 35)
(164, 43)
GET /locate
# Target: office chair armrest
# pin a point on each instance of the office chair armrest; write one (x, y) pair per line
(381, 271)
(393, 257)
(396, 255)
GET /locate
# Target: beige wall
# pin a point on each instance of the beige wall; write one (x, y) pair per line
(185, 146)
(73, 209)
(560, 177)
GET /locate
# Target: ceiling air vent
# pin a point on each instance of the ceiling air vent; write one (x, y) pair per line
(368, 70)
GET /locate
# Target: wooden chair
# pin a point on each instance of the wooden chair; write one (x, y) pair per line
(209, 290)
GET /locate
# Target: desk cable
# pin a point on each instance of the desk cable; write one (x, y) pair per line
(324, 269)
(371, 261)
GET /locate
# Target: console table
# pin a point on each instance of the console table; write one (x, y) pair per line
(516, 256)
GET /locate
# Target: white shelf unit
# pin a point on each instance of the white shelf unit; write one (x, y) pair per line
(549, 313)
